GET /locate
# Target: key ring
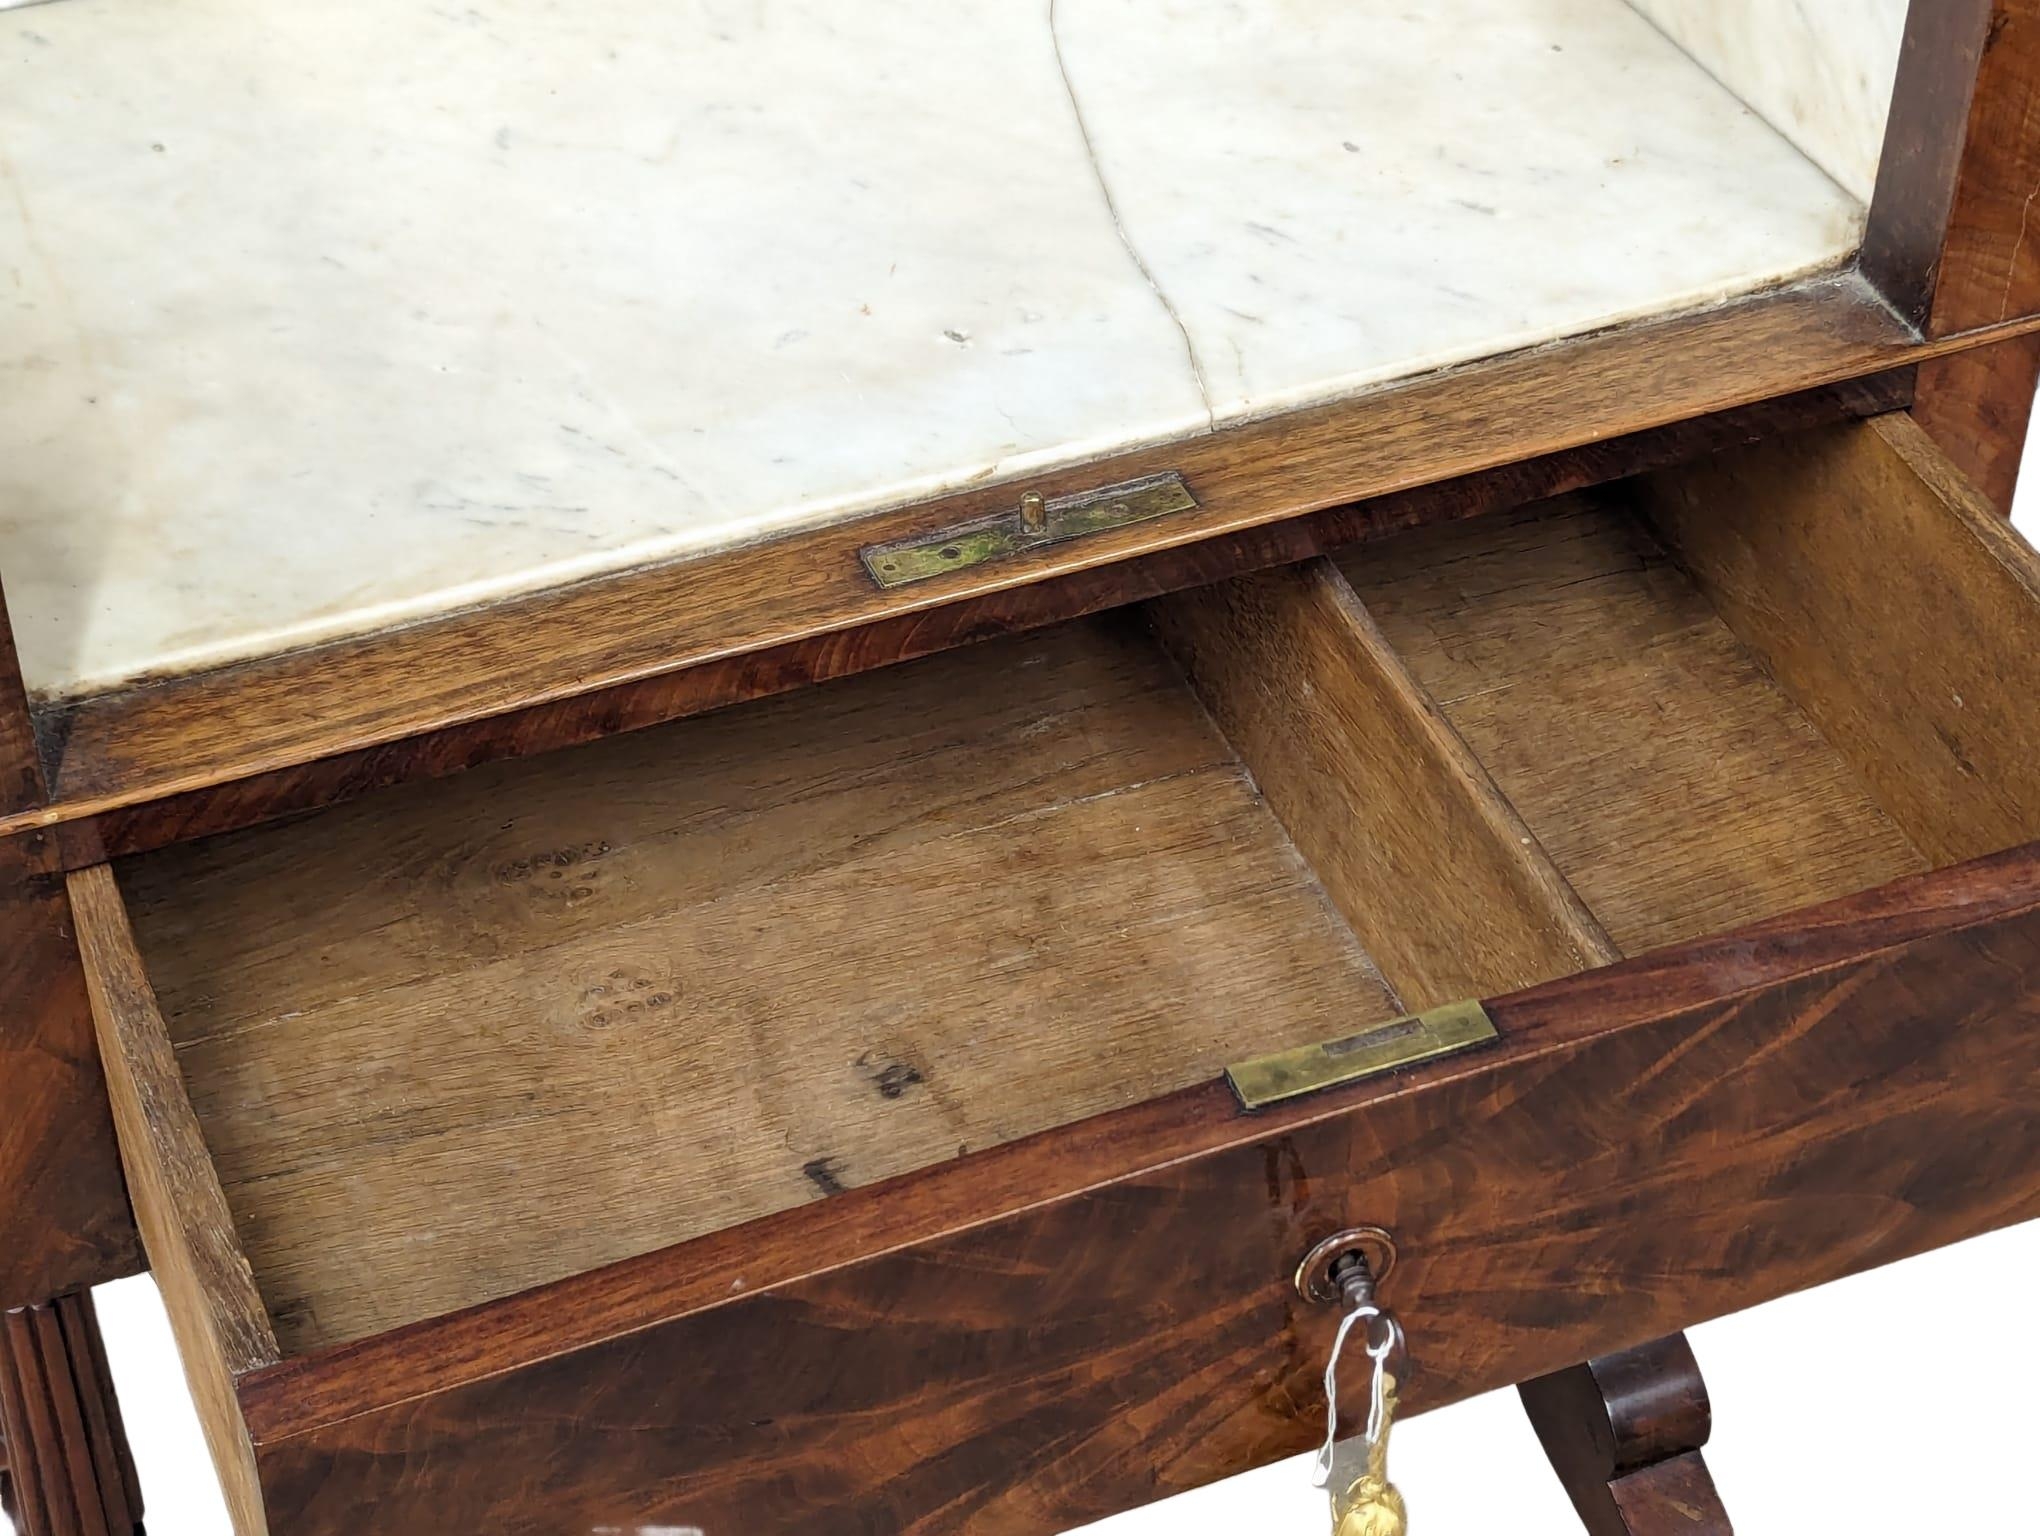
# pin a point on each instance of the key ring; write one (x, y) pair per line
(1378, 1354)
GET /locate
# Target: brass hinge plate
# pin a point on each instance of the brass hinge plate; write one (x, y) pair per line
(1400, 1042)
(1036, 522)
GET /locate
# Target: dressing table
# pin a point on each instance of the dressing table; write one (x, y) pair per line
(758, 765)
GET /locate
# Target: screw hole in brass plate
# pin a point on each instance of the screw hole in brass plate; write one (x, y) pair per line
(1386, 1047)
(1037, 521)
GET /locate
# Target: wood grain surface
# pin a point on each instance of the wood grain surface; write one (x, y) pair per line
(453, 1042)
(588, 1309)
(1932, 143)
(64, 1218)
(1430, 865)
(1896, 607)
(1673, 783)
(1060, 835)
(66, 1469)
(1625, 1434)
(1990, 253)
(1046, 844)
(1977, 406)
(1656, 1142)
(221, 1327)
(21, 781)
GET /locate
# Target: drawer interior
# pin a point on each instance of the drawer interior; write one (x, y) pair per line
(1669, 776)
(455, 1041)
(462, 1038)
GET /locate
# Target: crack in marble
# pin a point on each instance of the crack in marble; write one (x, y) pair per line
(1119, 228)
(180, 489)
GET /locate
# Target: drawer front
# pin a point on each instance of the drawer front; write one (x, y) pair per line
(1651, 1145)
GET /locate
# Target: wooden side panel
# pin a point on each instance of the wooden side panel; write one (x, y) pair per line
(1976, 406)
(1951, 242)
(1927, 145)
(1893, 604)
(64, 1219)
(64, 1222)
(21, 779)
(1678, 788)
(1990, 258)
(1425, 859)
(221, 1328)
(1656, 1143)
(1952, 239)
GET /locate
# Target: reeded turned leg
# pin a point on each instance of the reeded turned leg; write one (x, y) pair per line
(64, 1463)
(1624, 1433)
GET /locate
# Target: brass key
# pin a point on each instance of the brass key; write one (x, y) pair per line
(1364, 1501)
(1372, 1505)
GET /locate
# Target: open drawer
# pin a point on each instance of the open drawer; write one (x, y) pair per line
(817, 1105)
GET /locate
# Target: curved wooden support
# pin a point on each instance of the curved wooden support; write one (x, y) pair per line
(65, 1464)
(1624, 1433)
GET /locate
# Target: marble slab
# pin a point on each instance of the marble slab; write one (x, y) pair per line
(1819, 71)
(315, 319)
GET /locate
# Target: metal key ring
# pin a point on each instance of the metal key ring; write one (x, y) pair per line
(1378, 1354)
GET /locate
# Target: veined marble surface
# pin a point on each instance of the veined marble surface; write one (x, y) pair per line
(1819, 71)
(317, 318)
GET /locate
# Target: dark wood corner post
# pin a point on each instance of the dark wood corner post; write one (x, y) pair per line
(64, 1466)
(1624, 1433)
(65, 1224)
(1952, 242)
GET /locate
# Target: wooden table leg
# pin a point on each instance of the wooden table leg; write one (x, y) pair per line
(66, 1462)
(1624, 1433)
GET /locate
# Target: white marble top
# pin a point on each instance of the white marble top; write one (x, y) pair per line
(316, 318)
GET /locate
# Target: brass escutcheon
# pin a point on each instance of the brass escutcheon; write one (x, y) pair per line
(1314, 1281)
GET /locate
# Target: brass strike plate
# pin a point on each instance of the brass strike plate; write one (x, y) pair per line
(1037, 521)
(1400, 1042)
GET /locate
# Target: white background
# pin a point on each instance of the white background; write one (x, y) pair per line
(1899, 1400)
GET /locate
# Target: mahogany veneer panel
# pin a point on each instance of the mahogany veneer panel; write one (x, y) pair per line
(64, 1218)
(455, 1041)
(1670, 779)
(1977, 405)
(1989, 264)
